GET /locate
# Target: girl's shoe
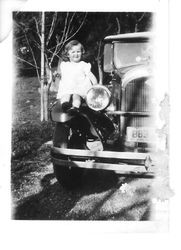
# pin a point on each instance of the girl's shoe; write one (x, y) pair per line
(73, 111)
(66, 106)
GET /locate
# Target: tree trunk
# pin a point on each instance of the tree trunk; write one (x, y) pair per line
(42, 64)
(45, 99)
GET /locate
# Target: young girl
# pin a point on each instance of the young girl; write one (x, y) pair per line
(76, 77)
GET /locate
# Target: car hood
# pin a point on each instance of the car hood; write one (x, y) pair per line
(133, 72)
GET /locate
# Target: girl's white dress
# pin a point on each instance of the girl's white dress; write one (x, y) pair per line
(74, 78)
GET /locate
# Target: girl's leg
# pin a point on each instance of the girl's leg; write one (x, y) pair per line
(65, 98)
(76, 100)
(65, 102)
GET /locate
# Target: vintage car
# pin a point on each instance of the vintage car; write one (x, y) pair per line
(122, 106)
(129, 66)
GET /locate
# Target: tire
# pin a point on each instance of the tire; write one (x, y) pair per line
(68, 177)
(61, 133)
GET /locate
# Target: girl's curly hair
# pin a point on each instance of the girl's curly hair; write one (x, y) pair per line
(68, 47)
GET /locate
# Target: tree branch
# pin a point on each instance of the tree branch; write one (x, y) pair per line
(21, 59)
(37, 28)
(67, 39)
(141, 17)
(137, 21)
(78, 28)
(59, 43)
(32, 53)
(68, 28)
(52, 28)
(118, 24)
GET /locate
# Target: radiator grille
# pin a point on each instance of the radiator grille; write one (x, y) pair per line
(136, 97)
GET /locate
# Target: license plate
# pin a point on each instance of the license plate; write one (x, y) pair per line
(142, 134)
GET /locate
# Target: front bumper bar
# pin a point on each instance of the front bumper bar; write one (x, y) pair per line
(120, 162)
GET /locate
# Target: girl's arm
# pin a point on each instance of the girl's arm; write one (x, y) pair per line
(92, 78)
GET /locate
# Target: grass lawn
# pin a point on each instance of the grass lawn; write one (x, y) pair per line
(28, 132)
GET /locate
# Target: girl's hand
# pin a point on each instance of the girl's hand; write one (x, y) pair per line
(56, 74)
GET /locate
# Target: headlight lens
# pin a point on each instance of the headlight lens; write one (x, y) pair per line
(98, 97)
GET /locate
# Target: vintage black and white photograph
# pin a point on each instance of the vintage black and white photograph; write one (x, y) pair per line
(84, 136)
(88, 149)
(89, 138)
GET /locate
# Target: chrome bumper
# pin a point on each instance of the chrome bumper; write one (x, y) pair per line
(120, 162)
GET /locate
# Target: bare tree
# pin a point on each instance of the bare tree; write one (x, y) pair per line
(41, 40)
(40, 36)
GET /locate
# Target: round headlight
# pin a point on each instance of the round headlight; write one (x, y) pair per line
(98, 97)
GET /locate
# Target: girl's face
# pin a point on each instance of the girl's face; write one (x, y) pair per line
(75, 53)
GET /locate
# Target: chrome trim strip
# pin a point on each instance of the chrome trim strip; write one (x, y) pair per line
(125, 113)
(118, 168)
(103, 154)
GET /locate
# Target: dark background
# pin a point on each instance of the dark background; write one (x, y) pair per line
(89, 28)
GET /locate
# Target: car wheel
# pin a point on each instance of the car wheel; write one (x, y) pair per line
(68, 177)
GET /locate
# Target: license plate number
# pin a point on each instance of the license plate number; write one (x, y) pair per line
(143, 134)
